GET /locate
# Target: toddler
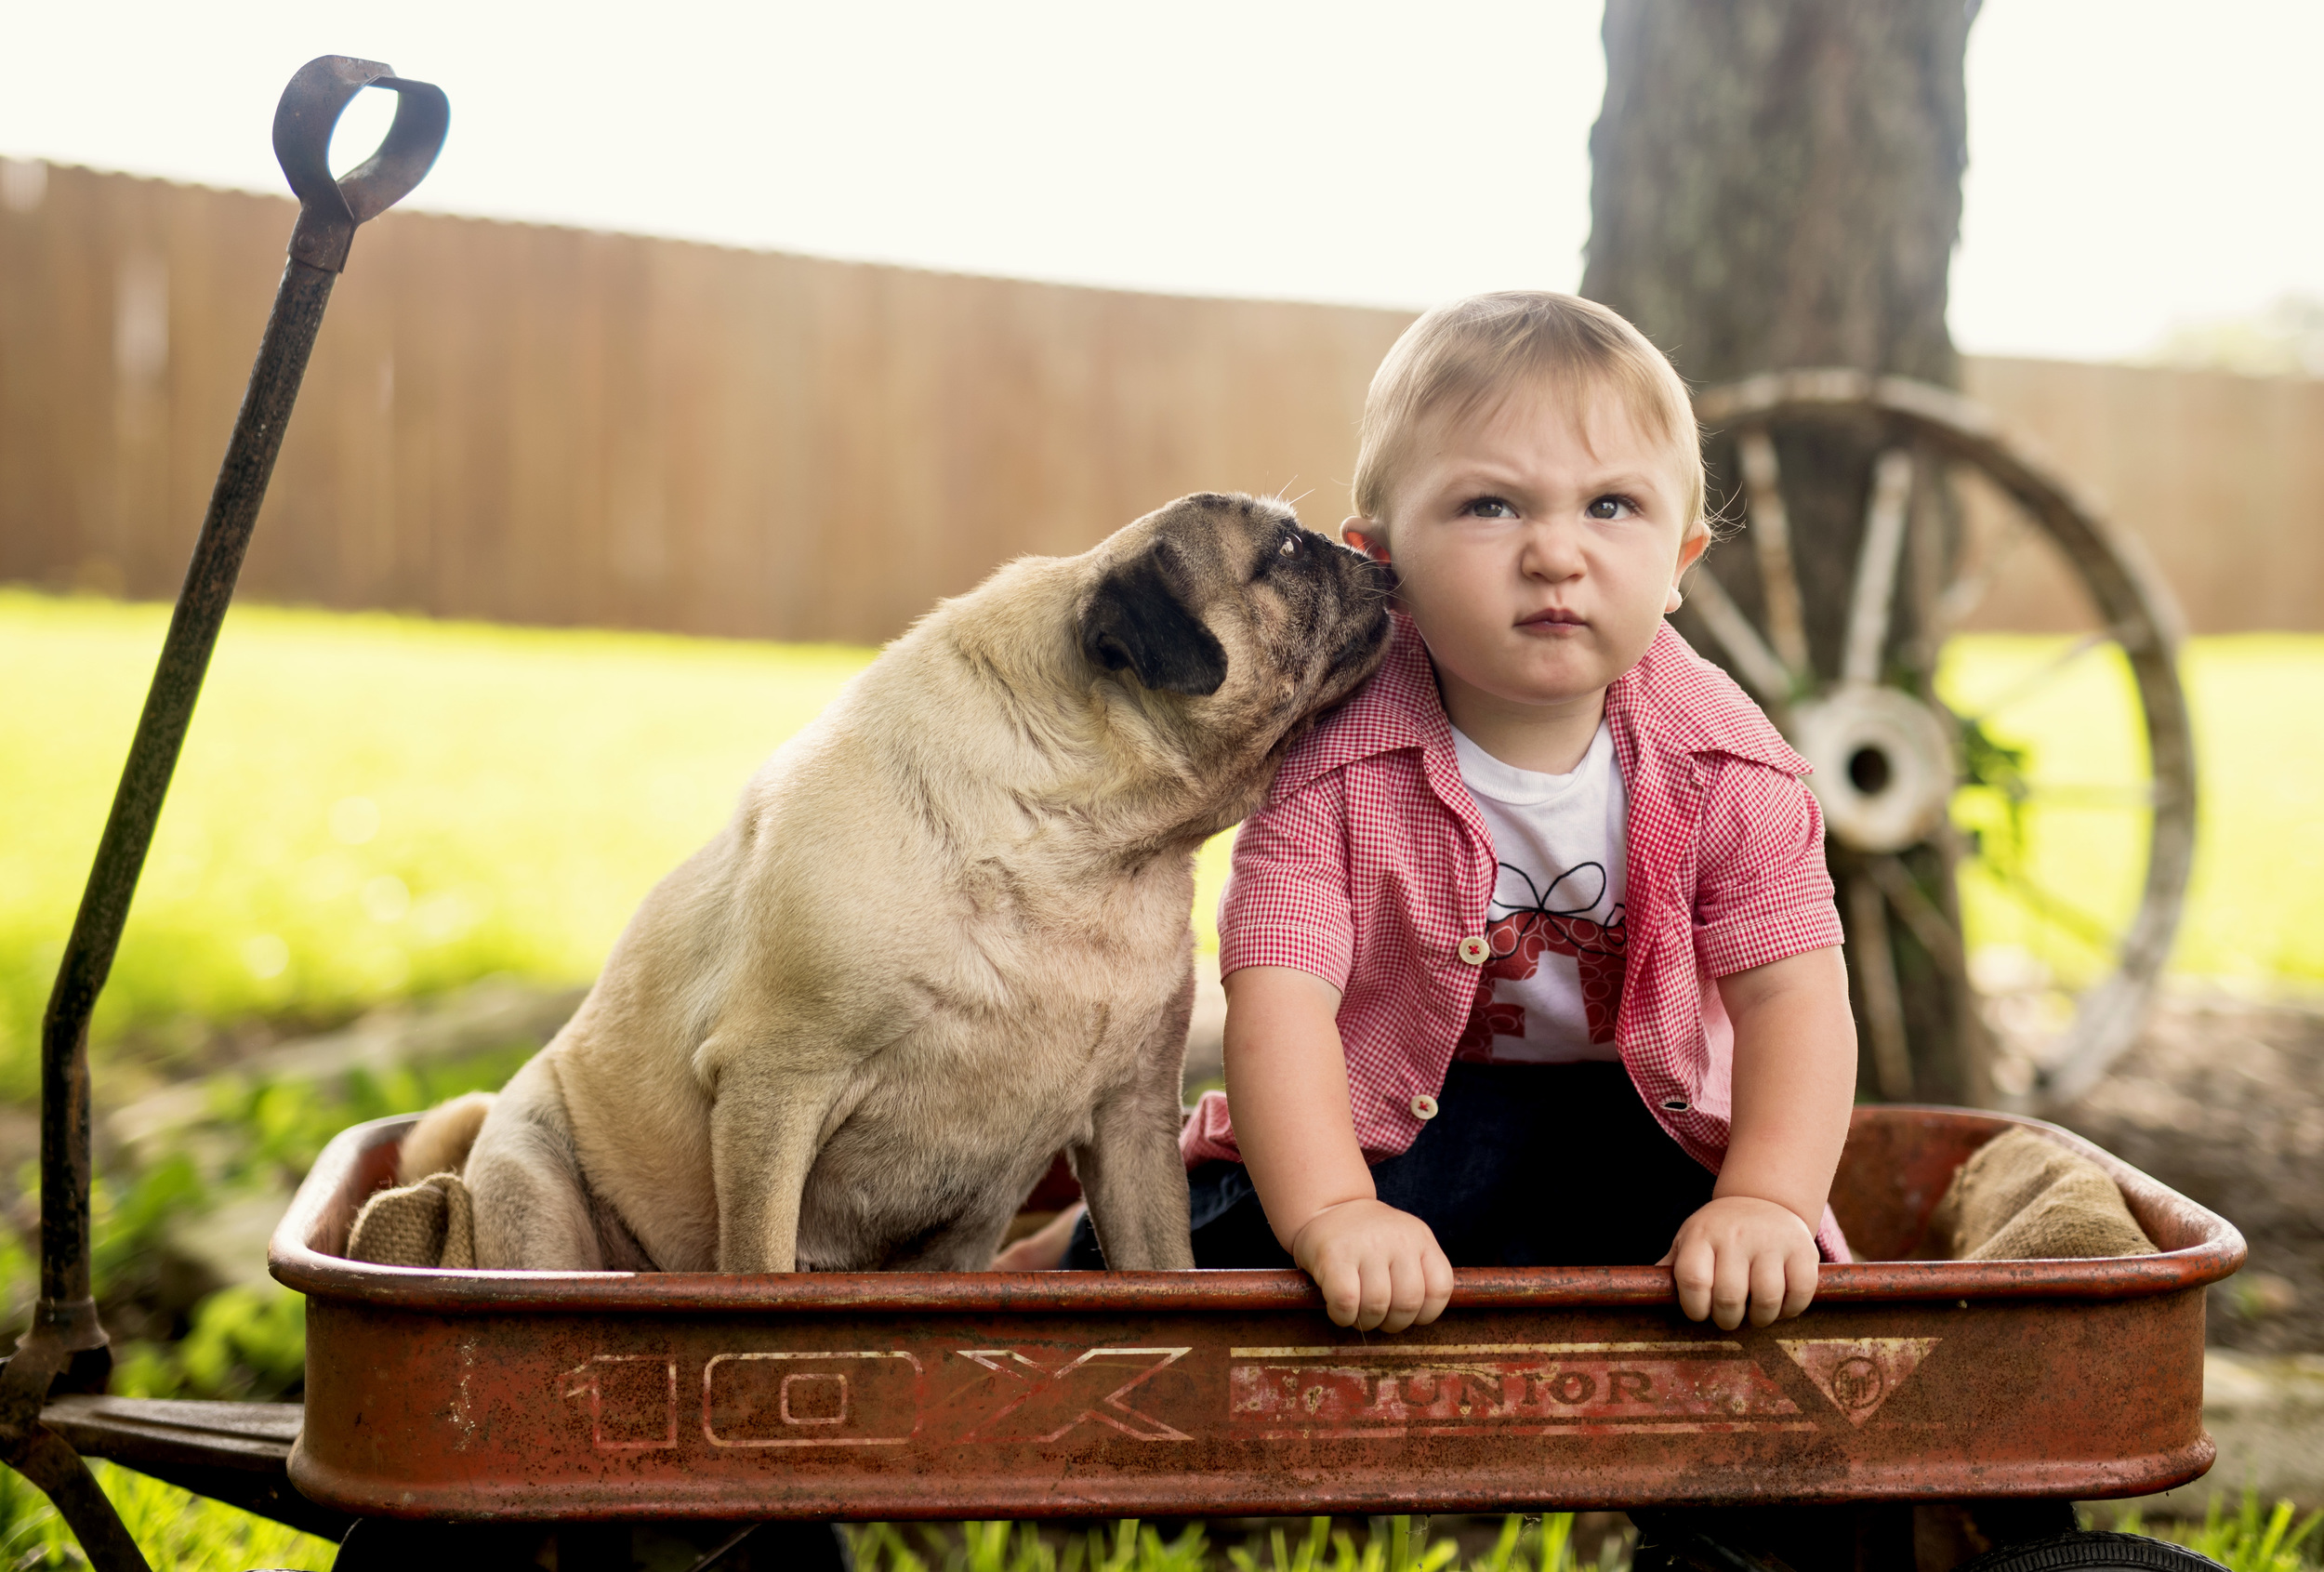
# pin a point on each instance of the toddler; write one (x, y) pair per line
(1530, 955)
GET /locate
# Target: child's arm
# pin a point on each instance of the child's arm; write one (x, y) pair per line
(1286, 1079)
(1753, 1248)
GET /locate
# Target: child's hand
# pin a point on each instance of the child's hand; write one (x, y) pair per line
(1378, 1267)
(1742, 1252)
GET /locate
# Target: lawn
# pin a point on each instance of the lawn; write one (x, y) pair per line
(372, 806)
(367, 806)
(2256, 905)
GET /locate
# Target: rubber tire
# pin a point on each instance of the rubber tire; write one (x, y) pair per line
(2090, 1552)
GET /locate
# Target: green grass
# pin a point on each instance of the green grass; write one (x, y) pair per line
(372, 806)
(186, 1533)
(2249, 1540)
(367, 806)
(1543, 1544)
(177, 1530)
(2256, 905)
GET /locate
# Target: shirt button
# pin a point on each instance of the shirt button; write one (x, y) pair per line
(1475, 951)
(1675, 1104)
(1424, 1107)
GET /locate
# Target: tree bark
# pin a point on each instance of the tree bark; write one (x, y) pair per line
(1777, 184)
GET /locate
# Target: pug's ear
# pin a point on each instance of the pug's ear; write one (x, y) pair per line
(1136, 620)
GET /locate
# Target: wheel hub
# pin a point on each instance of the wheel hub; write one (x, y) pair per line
(1884, 765)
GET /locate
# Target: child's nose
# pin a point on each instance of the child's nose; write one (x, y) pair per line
(1552, 550)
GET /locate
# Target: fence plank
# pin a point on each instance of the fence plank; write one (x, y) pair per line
(550, 426)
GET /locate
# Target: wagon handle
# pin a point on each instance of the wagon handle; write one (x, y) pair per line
(66, 1339)
(330, 209)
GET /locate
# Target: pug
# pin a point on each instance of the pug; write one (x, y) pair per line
(944, 937)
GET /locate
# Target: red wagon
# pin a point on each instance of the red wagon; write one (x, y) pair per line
(552, 1396)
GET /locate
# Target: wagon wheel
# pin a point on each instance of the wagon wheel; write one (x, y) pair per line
(2094, 1552)
(2063, 941)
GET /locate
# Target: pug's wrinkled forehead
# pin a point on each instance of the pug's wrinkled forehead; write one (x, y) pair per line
(1241, 530)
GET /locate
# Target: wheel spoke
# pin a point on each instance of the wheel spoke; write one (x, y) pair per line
(1924, 537)
(1876, 979)
(2052, 909)
(1771, 542)
(1767, 677)
(2024, 688)
(1966, 594)
(1870, 606)
(1921, 914)
(2089, 795)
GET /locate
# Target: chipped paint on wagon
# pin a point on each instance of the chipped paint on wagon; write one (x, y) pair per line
(463, 1412)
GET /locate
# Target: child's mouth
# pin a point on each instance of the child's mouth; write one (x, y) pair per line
(1554, 616)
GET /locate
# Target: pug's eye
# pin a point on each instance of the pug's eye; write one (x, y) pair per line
(1290, 547)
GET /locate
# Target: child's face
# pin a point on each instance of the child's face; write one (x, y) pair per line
(1537, 549)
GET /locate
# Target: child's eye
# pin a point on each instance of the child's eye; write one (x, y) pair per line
(1612, 507)
(1488, 507)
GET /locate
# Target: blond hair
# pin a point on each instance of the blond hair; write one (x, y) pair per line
(1458, 359)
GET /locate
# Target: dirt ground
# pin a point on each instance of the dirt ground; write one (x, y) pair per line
(2223, 1101)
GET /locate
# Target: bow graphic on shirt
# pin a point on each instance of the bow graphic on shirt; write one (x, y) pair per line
(1521, 935)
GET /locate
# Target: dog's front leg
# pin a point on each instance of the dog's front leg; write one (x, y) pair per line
(766, 1128)
(1135, 1183)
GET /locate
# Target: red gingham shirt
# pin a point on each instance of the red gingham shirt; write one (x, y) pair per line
(1368, 865)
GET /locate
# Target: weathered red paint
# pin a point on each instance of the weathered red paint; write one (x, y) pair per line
(555, 1396)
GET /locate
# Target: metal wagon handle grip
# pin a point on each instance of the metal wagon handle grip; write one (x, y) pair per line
(330, 209)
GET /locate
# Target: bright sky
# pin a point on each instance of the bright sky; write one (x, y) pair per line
(2134, 163)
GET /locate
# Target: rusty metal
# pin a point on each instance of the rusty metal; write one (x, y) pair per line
(66, 1345)
(45, 1457)
(517, 1395)
(231, 1452)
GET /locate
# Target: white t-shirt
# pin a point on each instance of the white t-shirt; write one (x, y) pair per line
(1555, 925)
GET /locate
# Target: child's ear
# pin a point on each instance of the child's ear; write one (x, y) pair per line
(1691, 551)
(1360, 534)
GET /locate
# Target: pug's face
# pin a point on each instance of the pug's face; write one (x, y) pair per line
(1224, 610)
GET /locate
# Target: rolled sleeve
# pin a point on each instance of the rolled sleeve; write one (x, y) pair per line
(1287, 896)
(1763, 892)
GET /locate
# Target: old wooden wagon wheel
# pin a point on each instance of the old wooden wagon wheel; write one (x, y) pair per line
(2064, 939)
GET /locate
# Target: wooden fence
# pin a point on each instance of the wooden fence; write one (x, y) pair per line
(552, 426)
(2221, 478)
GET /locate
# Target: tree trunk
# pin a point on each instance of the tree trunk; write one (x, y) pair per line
(1777, 184)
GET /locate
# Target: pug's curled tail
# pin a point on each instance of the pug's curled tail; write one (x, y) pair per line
(440, 1143)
